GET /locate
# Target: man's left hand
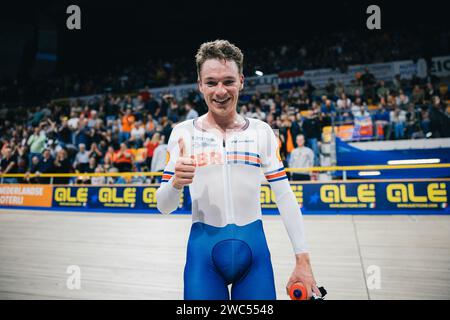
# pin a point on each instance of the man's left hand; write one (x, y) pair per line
(303, 273)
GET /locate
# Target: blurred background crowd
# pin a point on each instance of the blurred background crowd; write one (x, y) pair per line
(124, 128)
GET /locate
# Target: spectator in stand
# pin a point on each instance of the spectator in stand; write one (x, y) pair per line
(81, 163)
(22, 168)
(356, 107)
(127, 122)
(72, 123)
(95, 152)
(444, 94)
(46, 165)
(398, 122)
(429, 92)
(137, 134)
(286, 136)
(62, 165)
(402, 100)
(381, 119)
(34, 169)
(159, 158)
(328, 111)
(109, 156)
(418, 95)
(100, 180)
(138, 107)
(340, 89)
(8, 165)
(397, 83)
(114, 179)
(64, 133)
(344, 105)
(413, 130)
(259, 114)
(150, 125)
(439, 121)
(151, 145)
(327, 106)
(36, 117)
(295, 128)
(363, 111)
(368, 82)
(139, 156)
(382, 90)
(85, 179)
(313, 133)
(191, 113)
(173, 111)
(425, 122)
(245, 112)
(82, 135)
(36, 142)
(152, 104)
(92, 165)
(111, 110)
(123, 158)
(93, 120)
(166, 126)
(301, 157)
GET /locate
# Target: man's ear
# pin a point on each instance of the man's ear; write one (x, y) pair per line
(199, 85)
(242, 82)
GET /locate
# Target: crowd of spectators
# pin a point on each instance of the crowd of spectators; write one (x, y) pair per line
(336, 50)
(114, 133)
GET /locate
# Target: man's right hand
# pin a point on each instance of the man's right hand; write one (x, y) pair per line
(184, 168)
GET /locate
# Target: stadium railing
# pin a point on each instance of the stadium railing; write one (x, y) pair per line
(344, 169)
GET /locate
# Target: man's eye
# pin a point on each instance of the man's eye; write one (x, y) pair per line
(228, 82)
(210, 84)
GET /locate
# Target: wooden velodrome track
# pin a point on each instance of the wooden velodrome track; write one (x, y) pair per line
(126, 256)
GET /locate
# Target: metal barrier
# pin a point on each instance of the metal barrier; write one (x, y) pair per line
(344, 169)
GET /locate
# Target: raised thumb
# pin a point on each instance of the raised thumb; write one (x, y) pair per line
(182, 147)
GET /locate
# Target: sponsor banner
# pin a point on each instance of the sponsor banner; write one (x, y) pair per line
(179, 91)
(368, 196)
(406, 69)
(261, 84)
(26, 195)
(440, 66)
(107, 197)
(345, 132)
(377, 197)
(363, 128)
(331, 197)
(319, 78)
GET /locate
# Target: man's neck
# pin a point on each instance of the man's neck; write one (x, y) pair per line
(232, 122)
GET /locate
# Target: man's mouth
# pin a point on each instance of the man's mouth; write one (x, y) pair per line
(221, 101)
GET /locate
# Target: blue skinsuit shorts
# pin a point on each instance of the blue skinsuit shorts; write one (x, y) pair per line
(220, 256)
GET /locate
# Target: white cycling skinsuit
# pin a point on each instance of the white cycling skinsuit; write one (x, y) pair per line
(226, 209)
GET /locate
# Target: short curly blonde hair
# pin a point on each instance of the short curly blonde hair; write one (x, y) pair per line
(219, 49)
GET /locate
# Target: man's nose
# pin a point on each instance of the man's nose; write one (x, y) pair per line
(221, 90)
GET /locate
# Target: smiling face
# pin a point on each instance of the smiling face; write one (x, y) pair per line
(300, 140)
(220, 82)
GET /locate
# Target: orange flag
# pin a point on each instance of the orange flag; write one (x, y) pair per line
(289, 142)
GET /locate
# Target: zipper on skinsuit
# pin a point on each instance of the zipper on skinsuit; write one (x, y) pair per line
(229, 211)
(229, 203)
